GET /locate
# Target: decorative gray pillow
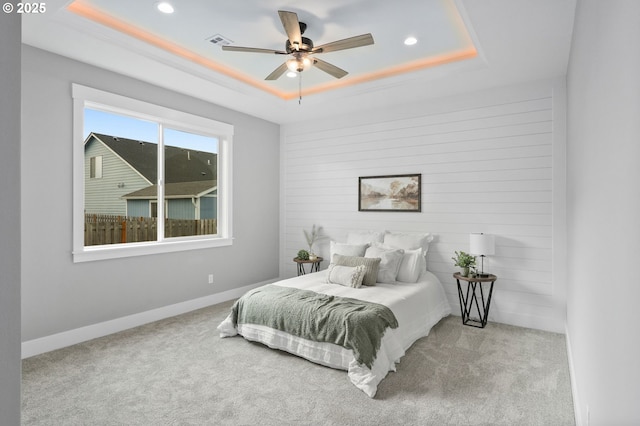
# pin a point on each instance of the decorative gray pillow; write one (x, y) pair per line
(371, 265)
(389, 265)
(349, 276)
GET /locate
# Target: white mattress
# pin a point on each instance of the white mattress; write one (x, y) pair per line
(416, 306)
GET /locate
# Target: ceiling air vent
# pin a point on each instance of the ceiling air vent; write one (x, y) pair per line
(219, 40)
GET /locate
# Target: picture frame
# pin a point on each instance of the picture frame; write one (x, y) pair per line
(391, 193)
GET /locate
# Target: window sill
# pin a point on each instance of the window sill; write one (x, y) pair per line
(117, 251)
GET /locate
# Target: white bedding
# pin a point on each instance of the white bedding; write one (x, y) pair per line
(416, 306)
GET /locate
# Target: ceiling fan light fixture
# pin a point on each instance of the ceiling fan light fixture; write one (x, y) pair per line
(298, 64)
(302, 51)
(292, 74)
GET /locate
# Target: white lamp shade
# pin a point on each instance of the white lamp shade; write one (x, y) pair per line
(482, 244)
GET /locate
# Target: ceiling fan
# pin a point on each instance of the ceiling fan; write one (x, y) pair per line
(301, 49)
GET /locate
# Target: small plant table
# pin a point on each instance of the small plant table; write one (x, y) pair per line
(474, 297)
(315, 265)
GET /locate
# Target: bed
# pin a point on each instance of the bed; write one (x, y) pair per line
(415, 306)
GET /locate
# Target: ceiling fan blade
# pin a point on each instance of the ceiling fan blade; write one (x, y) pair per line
(277, 72)
(291, 26)
(253, 50)
(329, 68)
(347, 43)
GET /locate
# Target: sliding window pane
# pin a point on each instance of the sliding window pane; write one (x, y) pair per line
(191, 184)
(120, 172)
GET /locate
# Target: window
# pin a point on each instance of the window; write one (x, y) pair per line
(96, 167)
(147, 179)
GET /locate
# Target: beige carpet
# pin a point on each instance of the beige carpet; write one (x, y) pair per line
(179, 372)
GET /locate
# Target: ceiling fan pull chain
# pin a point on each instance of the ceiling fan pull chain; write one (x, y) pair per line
(300, 89)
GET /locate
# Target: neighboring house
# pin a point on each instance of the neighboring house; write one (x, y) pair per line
(121, 176)
(184, 200)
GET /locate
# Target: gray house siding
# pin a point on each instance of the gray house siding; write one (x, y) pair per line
(138, 208)
(209, 207)
(104, 195)
(181, 209)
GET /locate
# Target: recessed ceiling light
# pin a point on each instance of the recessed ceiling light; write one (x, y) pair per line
(164, 7)
(292, 74)
(410, 41)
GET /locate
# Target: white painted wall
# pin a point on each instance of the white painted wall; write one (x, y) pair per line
(58, 295)
(487, 165)
(603, 182)
(10, 366)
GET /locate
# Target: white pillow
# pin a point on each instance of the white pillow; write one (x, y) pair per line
(412, 265)
(349, 276)
(408, 240)
(347, 249)
(365, 237)
(389, 263)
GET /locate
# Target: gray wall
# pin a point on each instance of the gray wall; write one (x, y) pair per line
(603, 186)
(10, 32)
(58, 295)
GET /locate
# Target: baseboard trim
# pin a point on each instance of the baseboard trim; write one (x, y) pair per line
(551, 323)
(574, 386)
(67, 338)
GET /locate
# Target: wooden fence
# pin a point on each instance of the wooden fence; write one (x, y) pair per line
(109, 229)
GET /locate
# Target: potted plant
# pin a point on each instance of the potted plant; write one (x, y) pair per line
(464, 261)
(311, 238)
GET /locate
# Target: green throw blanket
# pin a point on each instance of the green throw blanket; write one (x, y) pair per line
(350, 323)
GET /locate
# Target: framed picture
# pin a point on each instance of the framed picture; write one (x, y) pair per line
(397, 193)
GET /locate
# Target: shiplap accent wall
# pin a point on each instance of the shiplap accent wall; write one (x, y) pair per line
(486, 161)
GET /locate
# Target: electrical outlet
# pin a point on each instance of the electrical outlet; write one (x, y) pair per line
(210, 278)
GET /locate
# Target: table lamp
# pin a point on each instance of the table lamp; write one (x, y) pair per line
(482, 245)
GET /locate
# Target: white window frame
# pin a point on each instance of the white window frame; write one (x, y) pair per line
(87, 97)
